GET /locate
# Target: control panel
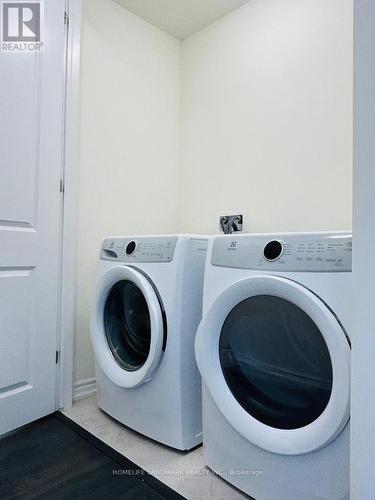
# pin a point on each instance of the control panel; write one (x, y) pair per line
(304, 252)
(139, 249)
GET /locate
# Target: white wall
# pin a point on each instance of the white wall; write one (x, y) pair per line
(362, 480)
(267, 117)
(264, 125)
(129, 142)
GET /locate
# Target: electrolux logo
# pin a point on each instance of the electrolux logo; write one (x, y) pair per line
(21, 26)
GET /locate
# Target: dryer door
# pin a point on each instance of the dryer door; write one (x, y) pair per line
(277, 363)
(127, 326)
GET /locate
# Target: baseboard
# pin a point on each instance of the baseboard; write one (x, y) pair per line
(84, 388)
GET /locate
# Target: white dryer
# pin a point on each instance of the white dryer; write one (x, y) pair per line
(273, 350)
(145, 313)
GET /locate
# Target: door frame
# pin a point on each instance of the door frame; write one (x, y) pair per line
(69, 222)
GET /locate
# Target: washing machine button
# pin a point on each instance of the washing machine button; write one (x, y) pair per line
(131, 247)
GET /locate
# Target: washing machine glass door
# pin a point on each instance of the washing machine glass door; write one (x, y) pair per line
(128, 326)
(281, 372)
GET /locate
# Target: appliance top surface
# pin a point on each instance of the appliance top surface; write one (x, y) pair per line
(285, 252)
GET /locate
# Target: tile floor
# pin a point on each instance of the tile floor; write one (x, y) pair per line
(186, 472)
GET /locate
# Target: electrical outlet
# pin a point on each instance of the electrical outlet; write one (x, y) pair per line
(231, 223)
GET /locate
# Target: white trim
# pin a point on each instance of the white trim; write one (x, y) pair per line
(69, 223)
(84, 388)
(362, 436)
(331, 422)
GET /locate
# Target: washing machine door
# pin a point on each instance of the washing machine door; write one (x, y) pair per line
(128, 327)
(276, 361)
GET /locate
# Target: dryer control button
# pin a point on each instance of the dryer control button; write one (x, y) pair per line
(273, 250)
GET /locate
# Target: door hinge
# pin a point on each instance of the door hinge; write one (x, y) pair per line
(57, 357)
(62, 186)
(66, 18)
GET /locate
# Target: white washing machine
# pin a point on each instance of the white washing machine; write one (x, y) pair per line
(273, 350)
(145, 313)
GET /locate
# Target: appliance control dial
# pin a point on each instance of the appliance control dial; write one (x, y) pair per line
(131, 247)
(273, 250)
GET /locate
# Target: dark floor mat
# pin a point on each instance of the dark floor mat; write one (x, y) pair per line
(56, 458)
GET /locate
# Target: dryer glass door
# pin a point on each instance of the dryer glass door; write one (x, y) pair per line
(276, 362)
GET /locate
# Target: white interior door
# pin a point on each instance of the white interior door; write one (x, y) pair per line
(31, 158)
